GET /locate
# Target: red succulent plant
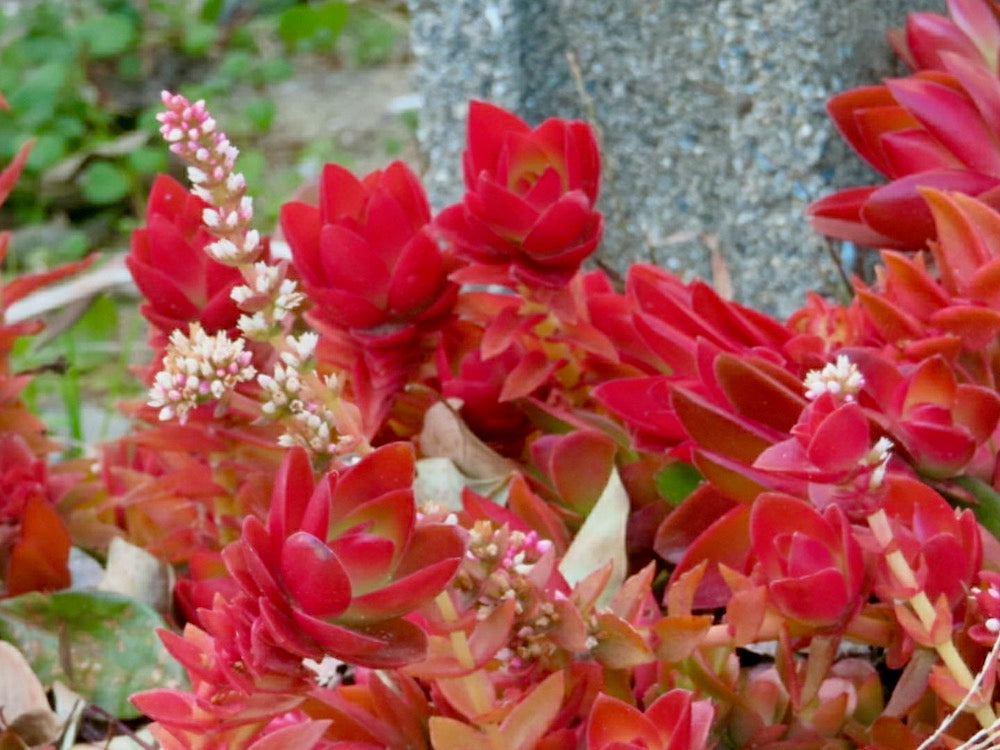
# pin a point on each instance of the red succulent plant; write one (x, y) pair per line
(801, 552)
(376, 277)
(179, 280)
(528, 209)
(335, 568)
(939, 127)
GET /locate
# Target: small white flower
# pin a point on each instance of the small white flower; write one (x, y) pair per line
(842, 378)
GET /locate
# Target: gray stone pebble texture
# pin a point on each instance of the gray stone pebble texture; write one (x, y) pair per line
(710, 113)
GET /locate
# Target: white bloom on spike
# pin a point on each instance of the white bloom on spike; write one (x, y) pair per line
(197, 368)
(254, 326)
(241, 294)
(878, 457)
(843, 379)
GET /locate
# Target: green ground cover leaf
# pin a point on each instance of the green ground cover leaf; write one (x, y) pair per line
(102, 645)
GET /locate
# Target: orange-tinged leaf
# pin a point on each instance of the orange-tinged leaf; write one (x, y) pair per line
(976, 326)
(614, 723)
(38, 561)
(528, 722)
(529, 374)
(619, 645)
(680, 594)
(679, 635)
(745, 614)
(909, 284)
(731, 478)
(450, 734)
(893, 323)
(960, 248)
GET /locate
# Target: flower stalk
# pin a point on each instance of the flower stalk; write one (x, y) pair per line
(921, 604)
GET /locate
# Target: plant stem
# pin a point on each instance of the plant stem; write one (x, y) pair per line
(920, 603)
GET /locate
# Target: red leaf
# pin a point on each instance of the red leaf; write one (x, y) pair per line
(314, 576)
(527, 376)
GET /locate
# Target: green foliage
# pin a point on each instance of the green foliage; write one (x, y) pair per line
(313, 27)
(677, 481)
(102, 645)
(372, 38)
(102, 182)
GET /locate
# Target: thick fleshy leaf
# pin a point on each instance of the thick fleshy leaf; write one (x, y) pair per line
(388, 468)
(980, 83)
(841, 440)
(404, 594)
(164, 295)
(367, 559)
(898, 210)
(909, 151)
(313, 576)
(727, 542)
(341, 195)
(839, 215)
(563, 225)
(696, 513)
(953, 119)
(760, 392)
(578, 464)
(293, 488)
(842, 109)
(486, 132)
(505, 212)
(529, 374)
(716, 430)
(929, 33)
(305, 734)
(301, 226)
(614, 723)
(353, 264)
(961, 248)
(418, 277)
(979, 23)
(529, 721)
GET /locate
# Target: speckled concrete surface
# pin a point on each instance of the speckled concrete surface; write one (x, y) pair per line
(711, 115)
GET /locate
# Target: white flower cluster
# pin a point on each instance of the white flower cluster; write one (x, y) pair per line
(842, 379)
(193, 136)
(311, 423)
(269, 297)
(198, 368)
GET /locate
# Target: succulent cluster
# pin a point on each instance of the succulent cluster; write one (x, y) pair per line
(530, 507)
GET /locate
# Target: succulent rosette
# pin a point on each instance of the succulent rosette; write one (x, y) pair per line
(939, 128)
(175, 274)
(672, 722)
(528, 209)
(335, 567)
(801, 552)
(365, 255)
(377, 278)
